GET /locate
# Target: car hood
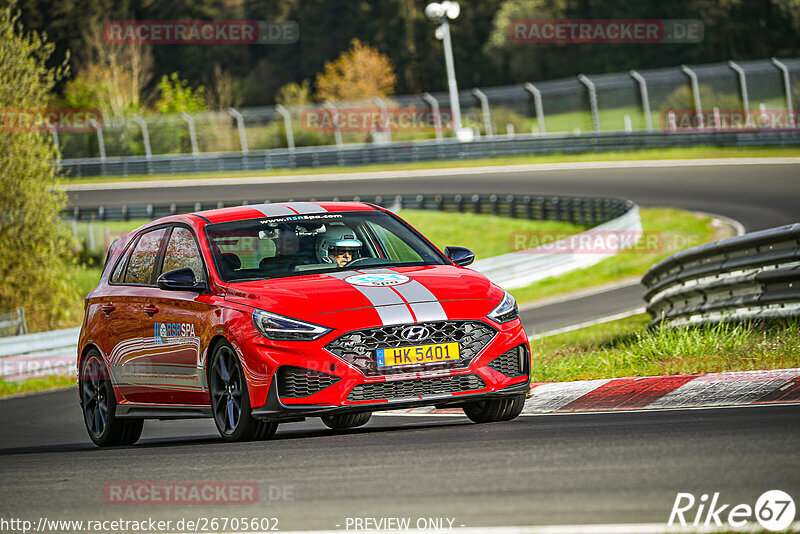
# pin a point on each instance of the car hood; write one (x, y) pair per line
(342, 299)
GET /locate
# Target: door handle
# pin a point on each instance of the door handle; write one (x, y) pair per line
(150, 309)
(107, 308)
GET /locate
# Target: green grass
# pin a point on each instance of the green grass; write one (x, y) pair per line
(485, 235)
(679, 230)
(85, 278)
(35, 384)
(700, 152)
(627, 348)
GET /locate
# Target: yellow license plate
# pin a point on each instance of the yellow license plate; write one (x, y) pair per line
(419, 354)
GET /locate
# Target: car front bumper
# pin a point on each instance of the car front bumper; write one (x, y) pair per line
(337, 386)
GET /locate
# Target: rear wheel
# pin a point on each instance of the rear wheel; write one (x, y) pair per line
(348, 420)
(230, 402)
(493, 410)
(99, 405)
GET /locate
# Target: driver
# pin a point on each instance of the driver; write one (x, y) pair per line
(338, 245)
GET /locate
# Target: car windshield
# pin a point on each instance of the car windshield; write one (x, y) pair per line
(275, 247)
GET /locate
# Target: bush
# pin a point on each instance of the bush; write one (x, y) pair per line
(35, 246)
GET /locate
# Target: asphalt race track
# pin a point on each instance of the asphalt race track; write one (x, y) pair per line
(757, 195)
(557, 469)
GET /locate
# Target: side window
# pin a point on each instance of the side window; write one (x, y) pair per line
(182, 252)
(143, 258)
(116, 276)
(397, 249)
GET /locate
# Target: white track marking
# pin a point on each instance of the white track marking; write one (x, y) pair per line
(427, 173)
(601, 320)
(579, 293)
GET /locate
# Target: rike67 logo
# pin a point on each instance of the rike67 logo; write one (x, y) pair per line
(774, 510)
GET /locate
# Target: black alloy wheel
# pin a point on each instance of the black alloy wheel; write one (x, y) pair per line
(230, 402)
(99, 405)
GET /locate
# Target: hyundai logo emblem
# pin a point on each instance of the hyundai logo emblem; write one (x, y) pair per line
(415, 333)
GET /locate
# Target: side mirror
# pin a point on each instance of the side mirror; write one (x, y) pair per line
(180, 280)
(460, 255)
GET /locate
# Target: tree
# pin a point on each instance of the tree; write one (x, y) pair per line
(35, 244)
(294, 94)
(360, 73)
(111, 77)
(176, 96)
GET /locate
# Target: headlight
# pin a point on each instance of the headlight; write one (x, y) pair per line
(505, 311)
(282, 328)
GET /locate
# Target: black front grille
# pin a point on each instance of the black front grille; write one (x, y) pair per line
(359, 347)
(509, 363)
(294, 382)
(401, 389)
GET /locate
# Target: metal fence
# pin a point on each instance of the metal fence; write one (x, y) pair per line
(620, 102)
(752, 276)
(13, 324)
(447, 149)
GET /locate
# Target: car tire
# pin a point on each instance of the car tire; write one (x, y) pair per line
(514, 407)
(494, 410)
(99, 404)
(347, 420)
(230, 400)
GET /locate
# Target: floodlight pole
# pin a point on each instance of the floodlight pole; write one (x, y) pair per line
(455, 104)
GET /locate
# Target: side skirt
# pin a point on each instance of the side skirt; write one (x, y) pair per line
(162, 411)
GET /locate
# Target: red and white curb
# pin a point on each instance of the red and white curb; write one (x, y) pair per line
(738, 388)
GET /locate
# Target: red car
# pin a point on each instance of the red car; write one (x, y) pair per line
(263, 314)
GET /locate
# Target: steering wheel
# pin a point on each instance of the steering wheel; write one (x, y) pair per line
(357, 261)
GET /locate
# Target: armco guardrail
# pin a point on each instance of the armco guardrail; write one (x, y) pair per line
(577, 210)
(445, 149)
(523, 267)
(752, 276)
(35, 355)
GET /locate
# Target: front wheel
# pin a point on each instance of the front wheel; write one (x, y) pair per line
(99, 405)
(348, 420)
(230, 402)
(494, 410)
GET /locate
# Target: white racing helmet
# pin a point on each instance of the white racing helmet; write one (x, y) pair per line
(335, 239)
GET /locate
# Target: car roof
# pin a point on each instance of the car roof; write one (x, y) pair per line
(278, 209)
